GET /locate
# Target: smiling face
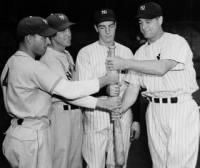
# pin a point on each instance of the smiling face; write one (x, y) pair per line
(106, 32)
(63, 38)
(151, 28)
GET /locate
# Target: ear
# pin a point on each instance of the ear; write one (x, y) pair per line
(96, 29)
(28, 39)
(160, 20)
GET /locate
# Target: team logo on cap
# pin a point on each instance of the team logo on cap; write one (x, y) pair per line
(104, 12)
(62, 17)
(45, 21)
(142, 8)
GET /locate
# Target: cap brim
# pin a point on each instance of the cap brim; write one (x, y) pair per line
(48, 32)
(104, 20)
(147, 16)
(64, 26)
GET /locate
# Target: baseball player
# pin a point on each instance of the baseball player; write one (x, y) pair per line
(98, 129)
(66, 119)
(27, 85)
(163, 65)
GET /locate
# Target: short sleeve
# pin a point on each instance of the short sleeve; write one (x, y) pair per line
(176, 49)
(133, 77)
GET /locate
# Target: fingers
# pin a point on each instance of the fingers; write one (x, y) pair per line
(115, 115)
(113, 90)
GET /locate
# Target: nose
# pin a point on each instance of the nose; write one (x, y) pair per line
(143, 26)
(107, 30)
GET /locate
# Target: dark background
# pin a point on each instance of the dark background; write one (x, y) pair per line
(180, 16)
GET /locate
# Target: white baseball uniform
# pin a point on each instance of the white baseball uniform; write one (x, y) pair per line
(173, 122)
(98, 135)
(66, 124)
(27, 85)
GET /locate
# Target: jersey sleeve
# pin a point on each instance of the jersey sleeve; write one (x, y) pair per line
(76, 89)
(178, 50)
(86, 102)
(133, 77)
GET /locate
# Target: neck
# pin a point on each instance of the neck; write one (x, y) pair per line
(106, 44)
(24, 48)
(158, 36)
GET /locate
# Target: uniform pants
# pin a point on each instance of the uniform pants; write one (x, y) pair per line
(66, 137)
(173, 134)
(26, 145)
(98, 147)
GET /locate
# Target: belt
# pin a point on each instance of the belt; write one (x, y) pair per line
(70, 107)
(163, 100)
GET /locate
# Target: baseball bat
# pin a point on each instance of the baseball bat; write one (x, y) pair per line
(119, 154)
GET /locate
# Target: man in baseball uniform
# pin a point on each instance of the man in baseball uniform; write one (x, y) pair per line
(163, 65)
(66, 119)
(98, 129)
(27, 85)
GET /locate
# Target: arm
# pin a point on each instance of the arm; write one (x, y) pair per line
(129, 97)
(78, 89)
(93, 103)
(151, 67)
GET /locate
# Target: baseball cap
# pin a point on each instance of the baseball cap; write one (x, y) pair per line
(59, 21)
(34, 25)
(149, 10)
(104, 15)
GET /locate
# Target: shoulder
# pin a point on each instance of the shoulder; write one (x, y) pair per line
(49, 55)
(174, 38)
(88, 49)
(89, 46)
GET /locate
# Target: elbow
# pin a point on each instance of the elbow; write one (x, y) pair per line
(161, 71)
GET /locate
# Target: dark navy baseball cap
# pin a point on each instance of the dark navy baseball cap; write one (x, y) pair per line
(32, 25)
(149, 10)
(104, 15)
(59, 21)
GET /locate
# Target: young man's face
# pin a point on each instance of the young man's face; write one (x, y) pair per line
(63, 38)
(106, 32)
(150, 27)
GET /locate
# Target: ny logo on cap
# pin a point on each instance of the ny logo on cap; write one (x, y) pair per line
(45, 21)
(103, 12)
(62, 17)
(142, 8)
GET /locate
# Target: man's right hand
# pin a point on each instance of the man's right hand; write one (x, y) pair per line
(109, 103)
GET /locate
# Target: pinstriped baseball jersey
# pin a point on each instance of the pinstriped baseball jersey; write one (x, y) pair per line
(173, 128)
(91, 64)
(180, 80)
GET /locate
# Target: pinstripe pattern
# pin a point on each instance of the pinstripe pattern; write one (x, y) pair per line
(173, 129)
(97, 127)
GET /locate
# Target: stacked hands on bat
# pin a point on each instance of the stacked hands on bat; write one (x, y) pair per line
(113, 90)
